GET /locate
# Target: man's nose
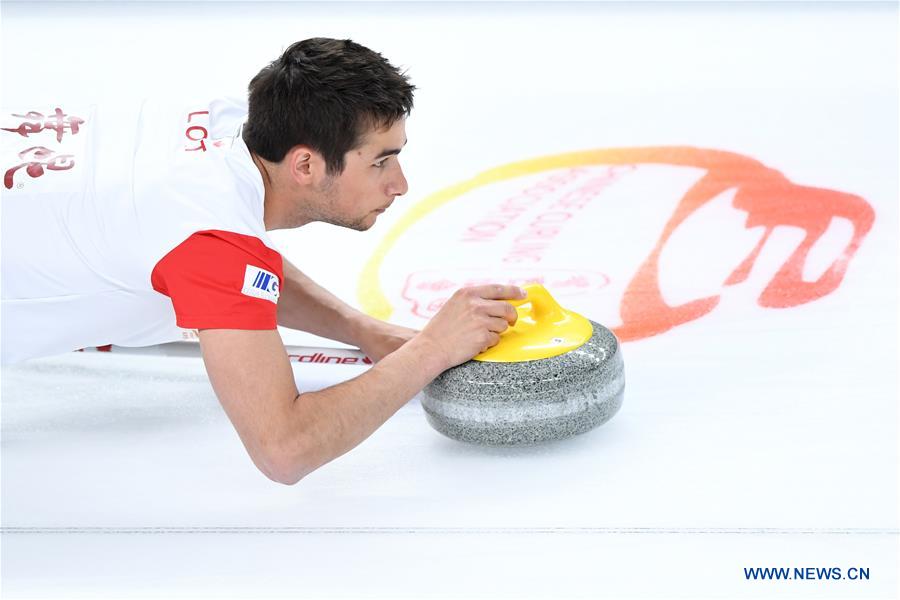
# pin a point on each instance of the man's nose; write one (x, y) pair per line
(399, 186)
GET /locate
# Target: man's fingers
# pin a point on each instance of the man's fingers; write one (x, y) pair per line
(502, 310)
(499, 292)
(497, 325)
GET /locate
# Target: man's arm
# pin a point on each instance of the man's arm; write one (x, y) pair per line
(307, 306)
(289, 434)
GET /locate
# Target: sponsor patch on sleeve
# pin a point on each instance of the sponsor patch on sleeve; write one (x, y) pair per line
(260, 283)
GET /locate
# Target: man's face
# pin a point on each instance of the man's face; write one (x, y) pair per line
(371, 179)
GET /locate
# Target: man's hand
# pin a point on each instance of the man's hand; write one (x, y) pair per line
(377, 338)
(471, 321)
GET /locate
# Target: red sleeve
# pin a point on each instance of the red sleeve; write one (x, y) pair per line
(221, 280)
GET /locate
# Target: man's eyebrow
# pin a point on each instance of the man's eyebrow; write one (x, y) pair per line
(390, 152)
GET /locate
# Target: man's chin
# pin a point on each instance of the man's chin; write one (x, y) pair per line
(363, 224)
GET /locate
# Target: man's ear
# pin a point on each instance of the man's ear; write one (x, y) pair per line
(301, 160)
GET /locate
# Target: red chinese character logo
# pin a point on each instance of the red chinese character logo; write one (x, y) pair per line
(36, 122)
(34, 165)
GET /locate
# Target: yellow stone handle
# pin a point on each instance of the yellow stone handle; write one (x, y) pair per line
(544, 329)
(543, 306)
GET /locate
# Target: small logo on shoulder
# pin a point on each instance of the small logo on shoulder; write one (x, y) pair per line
(260, 283)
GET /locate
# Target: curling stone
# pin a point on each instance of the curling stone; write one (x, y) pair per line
(552, 375)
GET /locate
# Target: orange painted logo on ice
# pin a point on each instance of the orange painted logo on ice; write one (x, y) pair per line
(769, 199)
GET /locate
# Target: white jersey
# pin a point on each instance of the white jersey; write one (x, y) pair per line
(127, 225)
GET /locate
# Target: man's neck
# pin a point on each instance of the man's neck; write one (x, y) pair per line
(279, 204)
(270, 220)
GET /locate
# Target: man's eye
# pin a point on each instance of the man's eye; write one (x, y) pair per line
(380, 165)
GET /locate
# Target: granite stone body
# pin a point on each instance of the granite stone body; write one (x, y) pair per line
(521, 403)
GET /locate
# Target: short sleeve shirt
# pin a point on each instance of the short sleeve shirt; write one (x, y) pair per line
(130, 223)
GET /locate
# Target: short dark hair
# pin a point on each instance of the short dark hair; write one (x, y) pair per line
(326, 94)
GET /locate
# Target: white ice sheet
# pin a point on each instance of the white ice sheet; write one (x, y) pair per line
(752, 436)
